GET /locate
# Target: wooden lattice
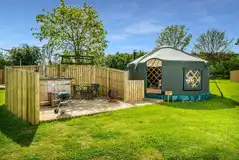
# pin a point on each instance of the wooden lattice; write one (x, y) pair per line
(154, 76)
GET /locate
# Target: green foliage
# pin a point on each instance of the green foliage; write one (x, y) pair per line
(25, 54)
(4, 61)
(175, 36)
(74, 29)
(221, 63)
(190, 130)
(213, 41)
(49, 52)
(120, 60)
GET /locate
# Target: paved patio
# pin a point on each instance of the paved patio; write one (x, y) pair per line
(85, 107)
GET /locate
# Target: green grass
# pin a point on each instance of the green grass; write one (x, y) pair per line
(2, 97)
(202, 130)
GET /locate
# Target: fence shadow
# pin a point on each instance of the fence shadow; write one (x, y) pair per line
(19, 131)
(214, 103)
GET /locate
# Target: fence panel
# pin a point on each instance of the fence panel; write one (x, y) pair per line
(2, 75)
(52, 71)
(134, 90)
(101, 77)
(116, 81)
(22, 94)
(82, 74)
(234, 76)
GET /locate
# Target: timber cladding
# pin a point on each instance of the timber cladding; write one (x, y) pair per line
(22, 94)
(234, 76)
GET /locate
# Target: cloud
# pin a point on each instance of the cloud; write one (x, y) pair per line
(143, 27)
(208, 19)
(117, 36)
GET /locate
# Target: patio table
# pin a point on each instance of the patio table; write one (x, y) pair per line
(85, 91)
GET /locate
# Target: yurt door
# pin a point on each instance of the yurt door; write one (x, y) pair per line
(154, 76)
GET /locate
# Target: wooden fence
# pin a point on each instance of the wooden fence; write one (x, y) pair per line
(133, 89)
(22, 94)
(234, 76)
(2, 77)
(107, 78)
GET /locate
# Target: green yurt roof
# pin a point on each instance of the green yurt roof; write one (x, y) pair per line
(167, 53)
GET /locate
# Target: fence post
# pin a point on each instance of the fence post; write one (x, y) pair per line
(59, 70)
(37, 99)
(6, 87)
(126, 86)
(108, 80)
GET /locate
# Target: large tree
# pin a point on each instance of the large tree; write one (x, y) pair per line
(25, 55)
(213, 41)
(175, 35)
(49, 52)
(74, 29)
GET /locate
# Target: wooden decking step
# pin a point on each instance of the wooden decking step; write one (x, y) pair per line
(154, 100)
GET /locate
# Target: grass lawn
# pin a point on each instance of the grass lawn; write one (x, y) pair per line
(202, 130)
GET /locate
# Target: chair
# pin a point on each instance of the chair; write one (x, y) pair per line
(83, 92)
(90, 91)
(76, 89)
(96, 89)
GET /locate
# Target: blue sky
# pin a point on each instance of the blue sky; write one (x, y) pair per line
(131, 24)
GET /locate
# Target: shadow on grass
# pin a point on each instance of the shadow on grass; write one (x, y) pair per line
(19, 131)
(214, 103)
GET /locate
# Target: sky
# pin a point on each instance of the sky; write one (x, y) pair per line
(131, 24)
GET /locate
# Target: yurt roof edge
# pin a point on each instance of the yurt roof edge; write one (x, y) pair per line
(167, 53)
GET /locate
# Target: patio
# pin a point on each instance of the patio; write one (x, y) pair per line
(80, 107)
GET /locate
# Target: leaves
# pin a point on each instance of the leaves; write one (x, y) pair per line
(120, 60)
(25, 54)
(175, 36)
(213, 41)
(74, 29)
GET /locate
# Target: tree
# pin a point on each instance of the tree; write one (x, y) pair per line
(49, 52)
(175, 36)
(237, 43)
(25, 55)
(74, 29)
(213, 41)
(4, 61)
(120, 60)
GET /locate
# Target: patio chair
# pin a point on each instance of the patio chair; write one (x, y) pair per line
(90, 92)
(83, 92)
(76, 90)
(96, 89)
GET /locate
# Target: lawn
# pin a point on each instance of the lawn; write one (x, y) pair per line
(202, 130)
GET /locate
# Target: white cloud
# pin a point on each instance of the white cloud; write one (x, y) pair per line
(117, 36)
(208, 19)
(143, 27)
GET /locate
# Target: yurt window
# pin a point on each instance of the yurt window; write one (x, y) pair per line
(154, 76)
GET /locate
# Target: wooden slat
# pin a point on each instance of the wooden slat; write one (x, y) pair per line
(37, 99)
(234, 76)
(19, 94)
(22, 93)
(6, 88)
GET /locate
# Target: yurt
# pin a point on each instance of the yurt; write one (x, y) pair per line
(172, 71)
